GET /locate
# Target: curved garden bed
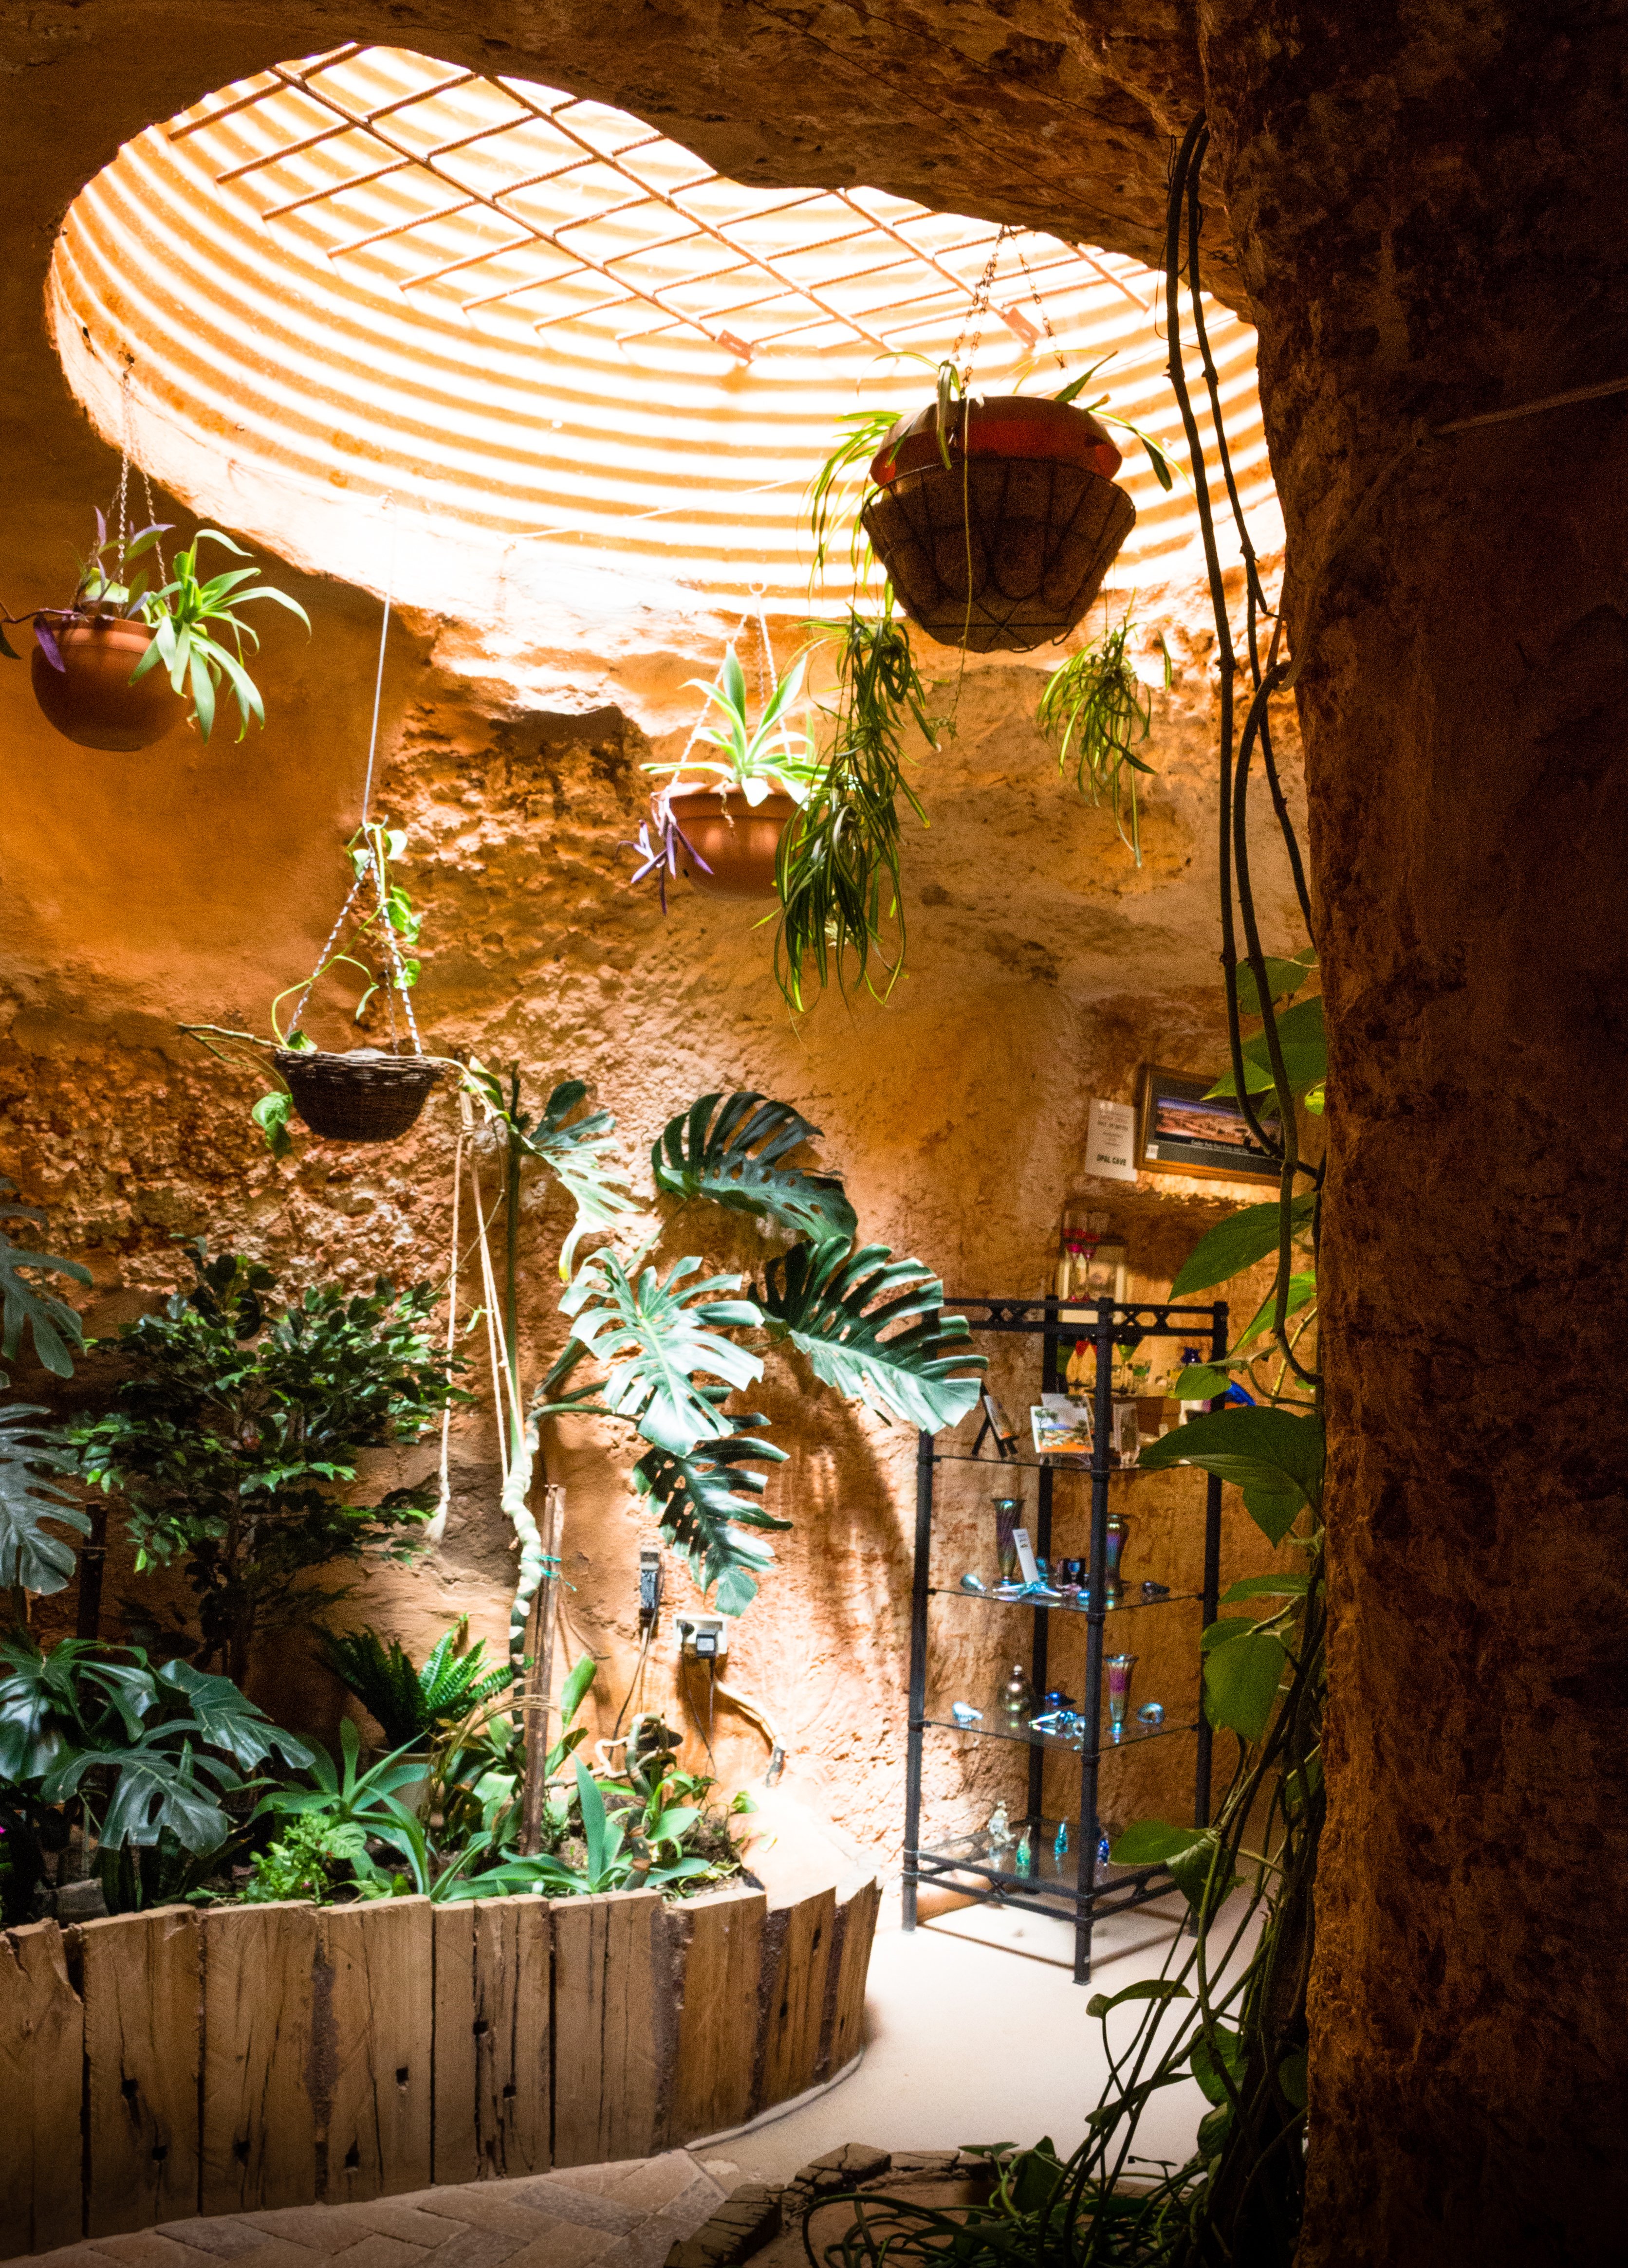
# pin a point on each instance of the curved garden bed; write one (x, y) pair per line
(241, 2057)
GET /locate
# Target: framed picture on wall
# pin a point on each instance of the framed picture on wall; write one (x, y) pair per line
(1181, 1128)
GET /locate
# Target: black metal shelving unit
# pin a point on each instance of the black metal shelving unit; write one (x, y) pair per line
(967, 1864)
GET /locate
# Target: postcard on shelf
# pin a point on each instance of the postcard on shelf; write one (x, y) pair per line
(1061, 1428)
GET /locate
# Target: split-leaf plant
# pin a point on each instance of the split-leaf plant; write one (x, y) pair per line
(36, 1455)
(672, 1348)
(151, 1754)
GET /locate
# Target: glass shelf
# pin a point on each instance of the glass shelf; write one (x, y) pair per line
(1080, 1465)
(1067, 1607)
(1133, 1736)
(1045, 1871)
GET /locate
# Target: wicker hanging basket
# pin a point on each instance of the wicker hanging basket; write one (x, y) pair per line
(364, 1096)
(1005, 547)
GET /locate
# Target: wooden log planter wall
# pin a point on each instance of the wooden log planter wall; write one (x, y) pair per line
(239, 2059)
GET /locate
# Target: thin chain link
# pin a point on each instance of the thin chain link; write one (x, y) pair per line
(1039, 305)
(972, 324)
(122, 505)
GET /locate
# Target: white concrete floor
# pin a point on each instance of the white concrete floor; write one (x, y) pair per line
(977, 2032)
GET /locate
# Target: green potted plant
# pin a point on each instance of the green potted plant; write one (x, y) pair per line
(111, 668)
(357, 1094)
(996, 517)
(720, 818)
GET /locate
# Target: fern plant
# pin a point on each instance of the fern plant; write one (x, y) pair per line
(415, 1706)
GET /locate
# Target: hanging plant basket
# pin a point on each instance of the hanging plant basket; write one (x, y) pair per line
(91, 700)
(738, 841)
(364, 1096)
(1005, 547)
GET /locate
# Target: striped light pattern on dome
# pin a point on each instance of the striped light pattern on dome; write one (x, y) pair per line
(588, 372)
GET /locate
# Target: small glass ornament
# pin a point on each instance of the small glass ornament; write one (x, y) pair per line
(1021, 1859)
(965, 1714)
(1059, 1849)
(1000, 1829)
(977, 1585)
(1119, 1666)
(1151, 1714)
(1017, 1695)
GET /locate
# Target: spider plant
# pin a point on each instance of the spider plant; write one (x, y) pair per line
(185, 615)
(1095, 708)
(838, 869)
(187, 612)
(756, 758)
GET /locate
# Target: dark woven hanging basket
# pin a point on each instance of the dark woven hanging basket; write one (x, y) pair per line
(364, 1096)
(1003, 549)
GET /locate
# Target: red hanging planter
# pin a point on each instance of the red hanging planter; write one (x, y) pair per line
(1004, 548)
(91, 700)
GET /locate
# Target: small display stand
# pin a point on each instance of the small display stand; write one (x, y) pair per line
(1072, 1883)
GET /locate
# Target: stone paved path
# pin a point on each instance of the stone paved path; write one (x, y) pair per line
(622, 2216)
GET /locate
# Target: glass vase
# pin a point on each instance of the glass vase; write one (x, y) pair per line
(1008, 1519)
(1114, 1552)
(1119, 1666)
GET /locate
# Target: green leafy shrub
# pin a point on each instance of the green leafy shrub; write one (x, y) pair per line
(235, 1436)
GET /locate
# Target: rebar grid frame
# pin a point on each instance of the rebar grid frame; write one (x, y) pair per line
(926, 291)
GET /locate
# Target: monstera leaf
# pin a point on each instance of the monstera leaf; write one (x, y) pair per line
(572, 1149)
(735, 1157)
(651, 1338)
(873, 1327)
(57, 1332)
(706, 1497)
(30, 1455)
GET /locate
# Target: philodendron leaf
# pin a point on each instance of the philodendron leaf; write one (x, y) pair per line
(1302, 1043)
(652, 1337)
(736, 1154)
(1276, 1457)
(1283, 979)
(1242, 1679)
(707, 1497)
(1146, 1988)
(1237, 1243)
(1153, 1843)
(31, 1455)
(873, 1327)
(574, 1151)
(55, 1329)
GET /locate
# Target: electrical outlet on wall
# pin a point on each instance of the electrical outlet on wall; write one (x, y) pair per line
(702, 1637)
(649, 1585)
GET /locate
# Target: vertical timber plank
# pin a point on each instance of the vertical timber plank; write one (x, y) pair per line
(796, 2006)
(513, 2076)
(41, 2093)
(859, 1912)
(605, 2026)
(718, 2015)
(455, 2153)
(259, 2127)
(370, 2049)
(142, 2036)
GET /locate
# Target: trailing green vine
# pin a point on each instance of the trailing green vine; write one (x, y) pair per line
(1229, 2008)
(1095, 707)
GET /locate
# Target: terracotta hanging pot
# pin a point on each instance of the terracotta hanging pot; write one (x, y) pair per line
(738, 841)
(1006, 546)
(91, 700)
(365, 1095)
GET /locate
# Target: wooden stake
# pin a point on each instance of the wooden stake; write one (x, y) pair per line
(540, 1679)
